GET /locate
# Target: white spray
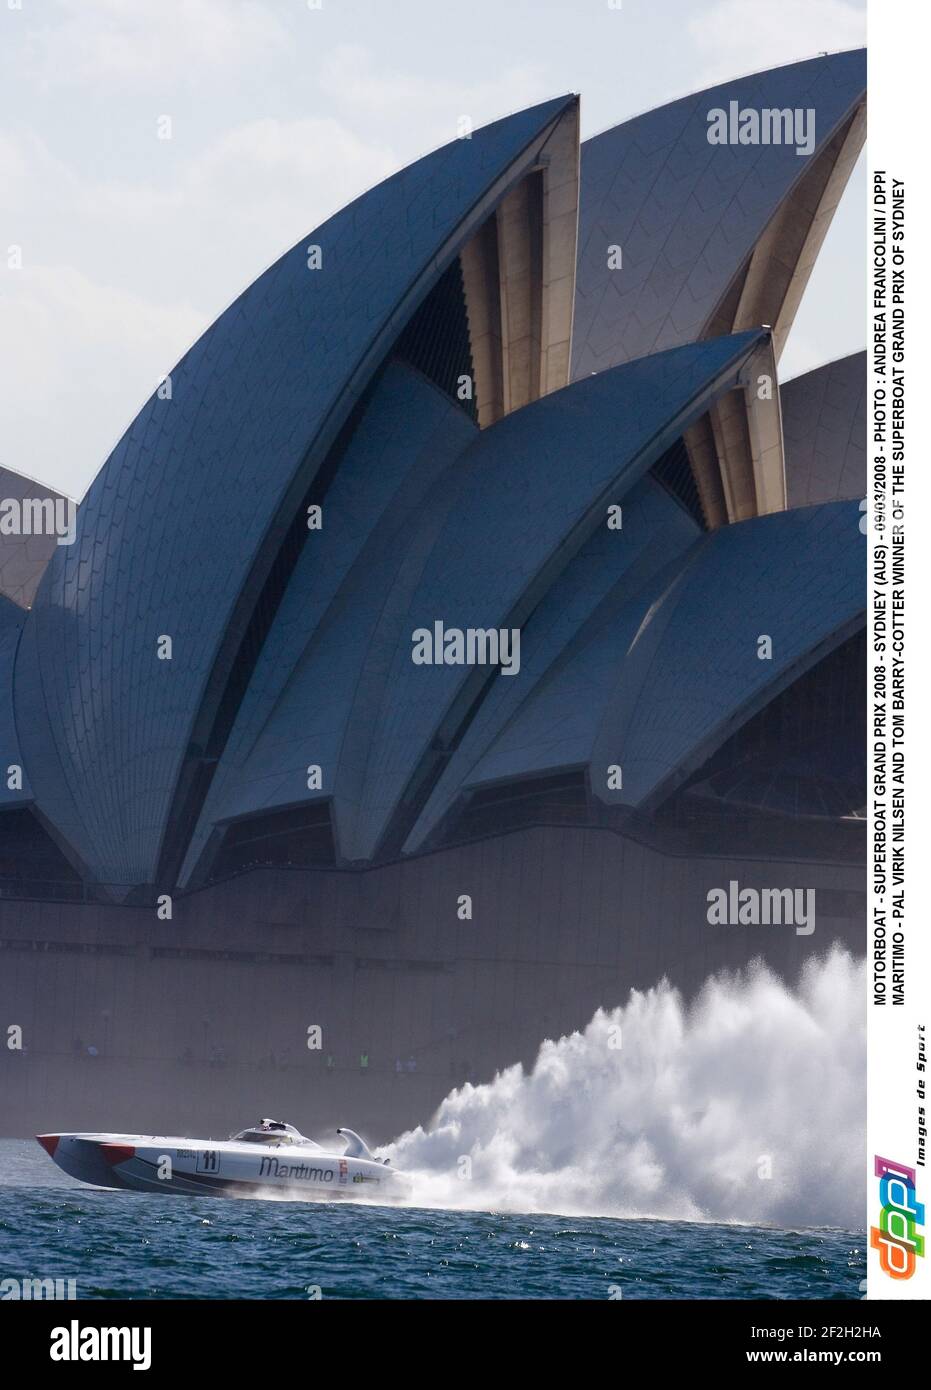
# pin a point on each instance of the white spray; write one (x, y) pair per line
(747, 1106)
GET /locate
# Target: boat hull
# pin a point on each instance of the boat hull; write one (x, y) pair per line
(148, 1163)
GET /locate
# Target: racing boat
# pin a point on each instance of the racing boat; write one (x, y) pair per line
(270, 1157)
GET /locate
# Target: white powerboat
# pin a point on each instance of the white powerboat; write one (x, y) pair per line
(270, 1157)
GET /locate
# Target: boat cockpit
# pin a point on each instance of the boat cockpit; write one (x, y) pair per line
(270, 1132)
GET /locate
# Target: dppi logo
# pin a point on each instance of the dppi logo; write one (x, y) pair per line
(896, 1236)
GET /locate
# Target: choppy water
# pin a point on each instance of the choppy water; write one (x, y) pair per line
(123, 1245)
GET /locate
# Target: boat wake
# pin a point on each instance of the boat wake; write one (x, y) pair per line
(746, 1106)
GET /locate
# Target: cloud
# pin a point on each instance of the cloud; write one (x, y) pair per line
(231, 210)
(733, 38)
(287, 176)
(149, 43)
(77, 359)
(801, 355)
(153, 262)
(160, 248)
(363, 88)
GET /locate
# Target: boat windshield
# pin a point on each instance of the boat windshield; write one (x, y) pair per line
(258, 1136)
(269, 1132)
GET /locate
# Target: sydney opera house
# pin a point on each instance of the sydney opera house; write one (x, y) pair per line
(468, 602)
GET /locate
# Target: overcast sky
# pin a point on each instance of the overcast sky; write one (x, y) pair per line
(282, 112)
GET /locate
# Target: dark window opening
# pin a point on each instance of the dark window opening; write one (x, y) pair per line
(436, 340)
(804, 755)
(674, 472)
(31, 864)
(300, 837)
(560, 799)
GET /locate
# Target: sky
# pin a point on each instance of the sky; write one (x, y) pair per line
(280, 112)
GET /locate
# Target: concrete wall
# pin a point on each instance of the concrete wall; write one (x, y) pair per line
(200, 1024)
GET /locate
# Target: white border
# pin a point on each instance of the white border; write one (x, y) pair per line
(899, 89)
